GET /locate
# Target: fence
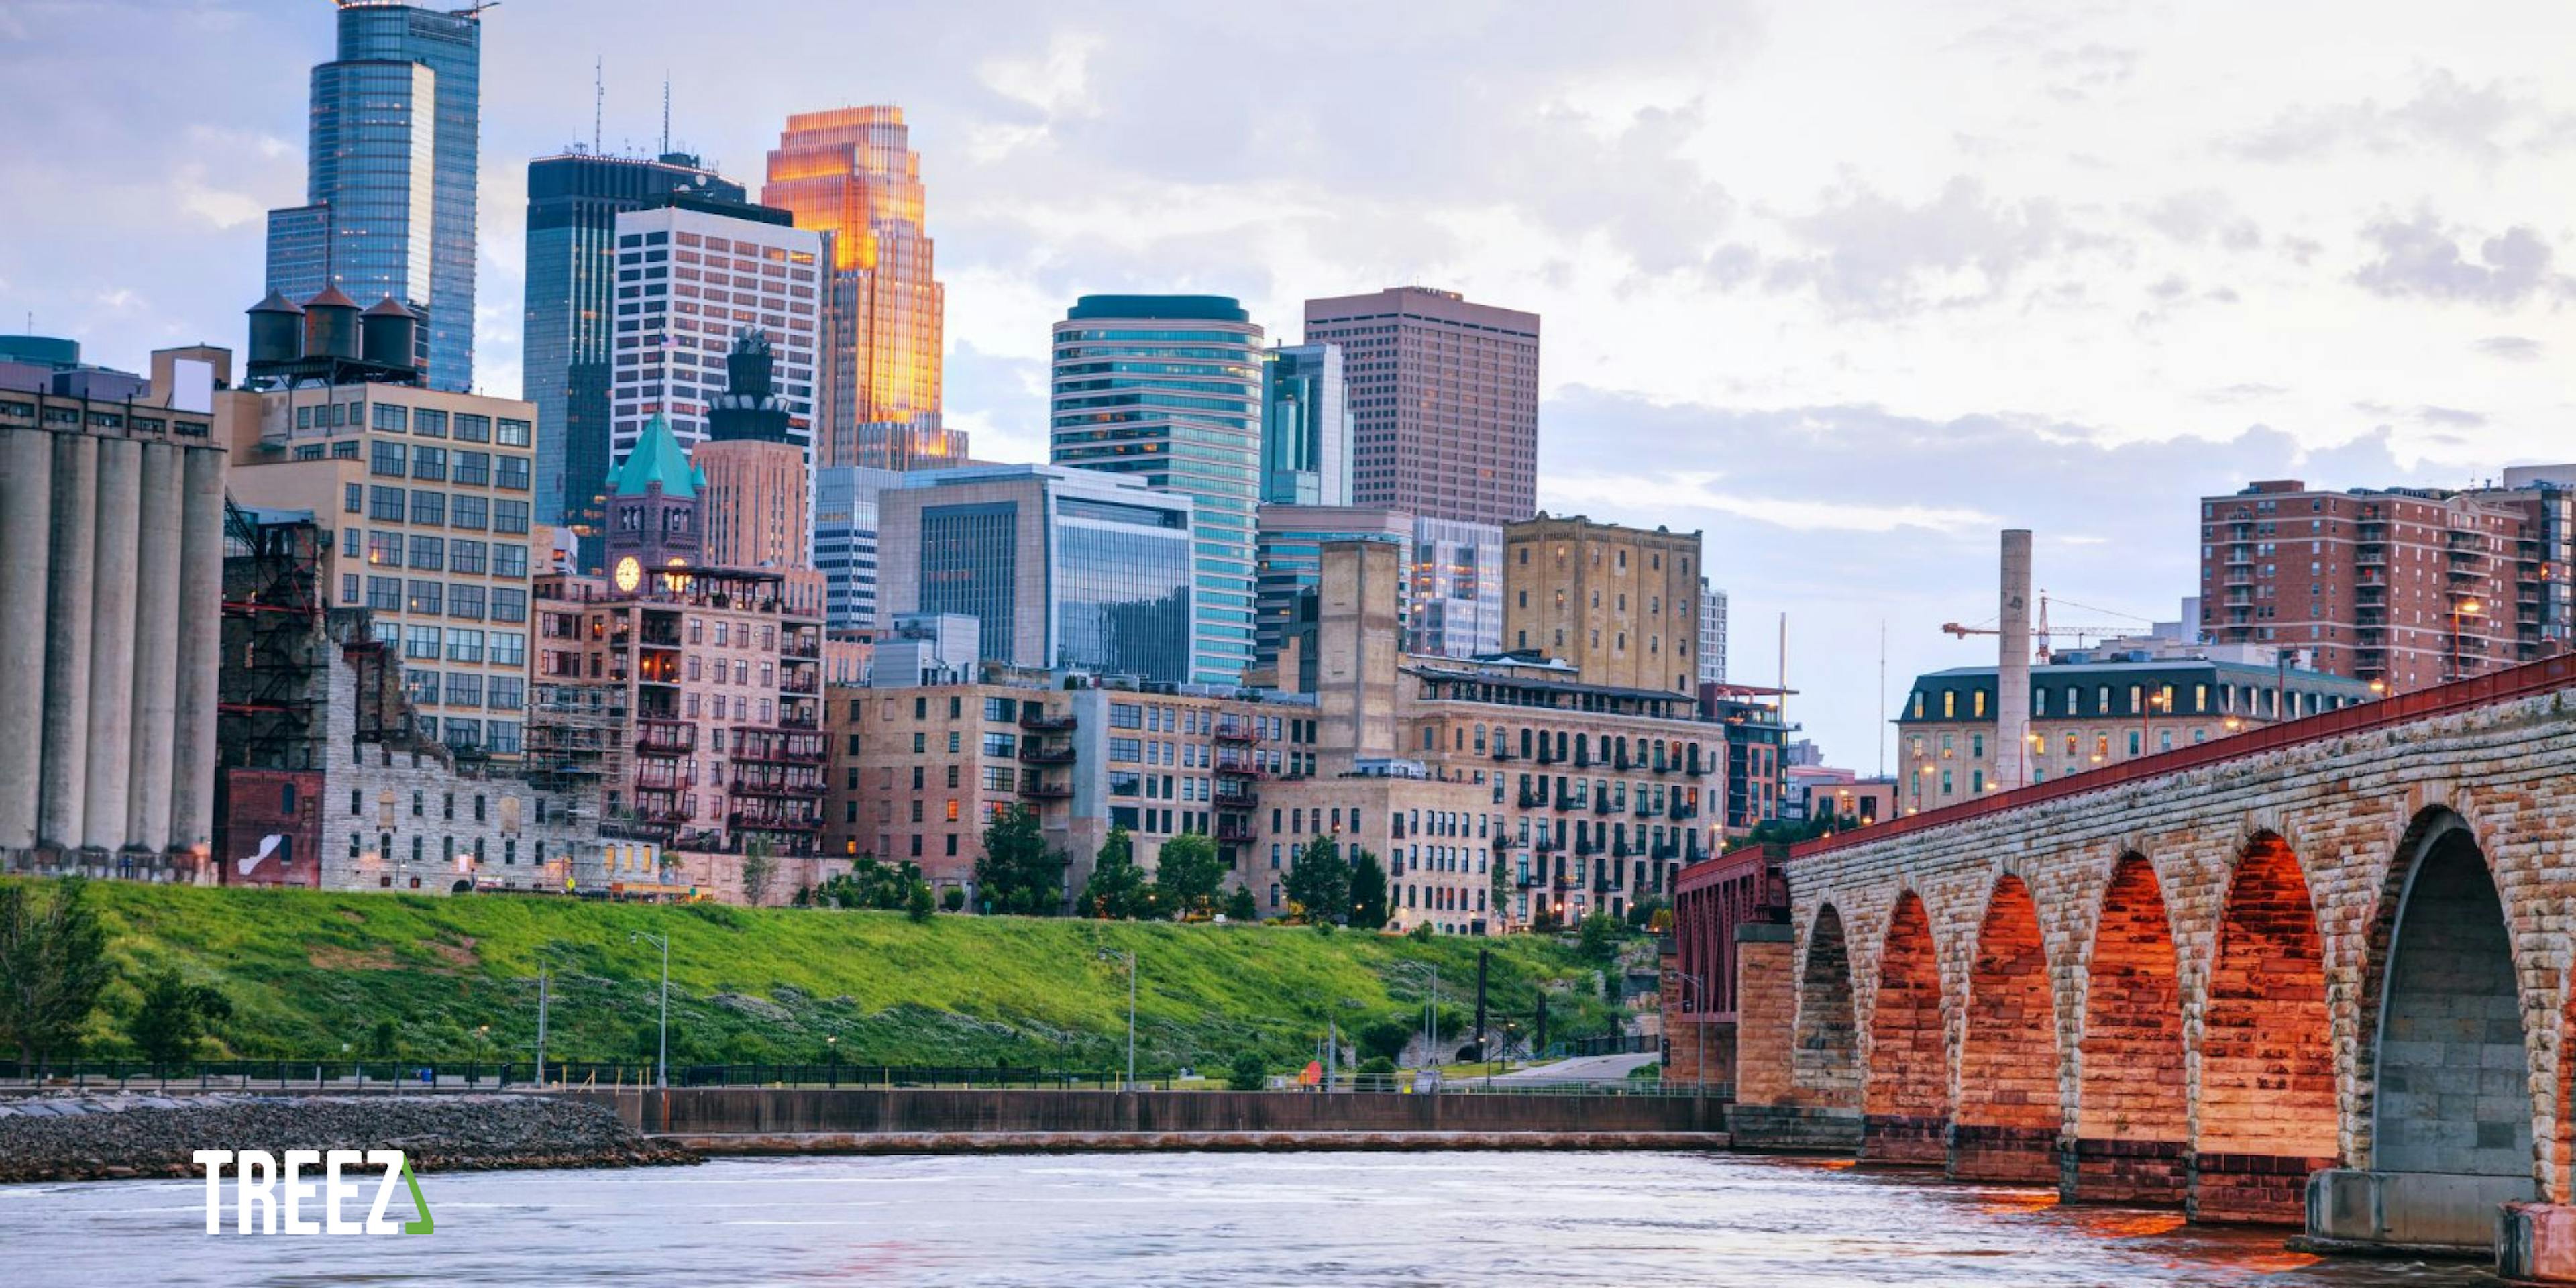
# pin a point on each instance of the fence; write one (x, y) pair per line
(414, 1077)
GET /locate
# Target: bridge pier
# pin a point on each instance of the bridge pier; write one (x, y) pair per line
(2251, 1189)
(2153, 1173)
(2435, 1211)
(2536, 1243)
(2003, 1155)
(1905, 1140)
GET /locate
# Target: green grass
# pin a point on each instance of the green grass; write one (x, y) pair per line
(307, 972)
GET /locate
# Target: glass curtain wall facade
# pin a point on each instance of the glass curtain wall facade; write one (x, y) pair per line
(970, 565)
(1168, 389)
(1455, 600)
(1122, 588)
(852, 174)
(1305, 428)
(573, 203)
(845, 542)
(1292, 561)
(390, 175)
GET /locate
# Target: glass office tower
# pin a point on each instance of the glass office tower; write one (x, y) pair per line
(1305, 427)
(1168, 389)
(389, 176)
(845, 541)
(573, 203)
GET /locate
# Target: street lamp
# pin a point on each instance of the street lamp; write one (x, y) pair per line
(662, 1065)
(1130, 954)
(1430, 1009)
(832, 1061)
(482, 1039)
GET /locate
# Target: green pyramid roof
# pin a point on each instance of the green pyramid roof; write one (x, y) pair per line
(657, 458)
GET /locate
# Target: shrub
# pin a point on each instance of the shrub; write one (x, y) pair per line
(1247, 1074)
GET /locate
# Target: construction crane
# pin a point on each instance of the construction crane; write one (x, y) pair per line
(2041, 631)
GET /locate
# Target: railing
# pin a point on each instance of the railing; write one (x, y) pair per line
(1036, 720)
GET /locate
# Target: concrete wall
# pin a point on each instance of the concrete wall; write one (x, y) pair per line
(718, 1110)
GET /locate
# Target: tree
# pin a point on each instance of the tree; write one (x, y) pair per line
(1248, 1074)
(173, 1015)
(1598, 937)
(53, 965)
(1502, 873)
(1368, 891)
(953, 899)
(1018, 874)
(918, 905)
(1319, 882)
(383, 1039)
(758, 865)
(1239, 906)
(1189, 871)
(1116, 889)
(1384, 1038)
(1643, 914)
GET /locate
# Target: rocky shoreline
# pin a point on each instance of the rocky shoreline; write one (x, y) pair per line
(114, 1137)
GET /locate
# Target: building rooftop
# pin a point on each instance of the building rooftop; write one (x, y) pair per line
(657, 458)
(1202, 308)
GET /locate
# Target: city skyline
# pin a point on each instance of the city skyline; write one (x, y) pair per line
(2019, 306)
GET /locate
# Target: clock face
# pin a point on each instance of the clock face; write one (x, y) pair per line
(630, 574)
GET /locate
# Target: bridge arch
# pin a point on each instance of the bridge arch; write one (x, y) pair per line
(2132, 1111)
(1906, 1103)
(1825, 1060)
(2009, 1115)
(2442, 1061)
(2266, 1109)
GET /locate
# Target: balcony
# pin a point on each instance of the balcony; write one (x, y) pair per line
(1680, 812)
(777, 746)
(1038, 788)
(752, 778)
(664, 775)
(1586, 847)
(1239, 767)
(1238, 799)
(1502, 752)
(773, 816)
(1531, 799)
(1602, 805)
(1547, 844)
(1034, 752)
(1644, 808)
(665, 737)
(665, 810)
(1234, 831)
(1233, 729)
(1035, 719)
(802, 681)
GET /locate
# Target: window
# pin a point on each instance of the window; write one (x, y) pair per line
(471, 428)
(514, 473)
(509, 648)
(421, 642)
(425, 597)
(512, 516)
(465, 602)
(428, 553)
(384, 594)
(513, 433)
(507, 560)
(464, 555)
(474, 469)
(428, 422)
(385, 460)
(385, 504)
(464, 689)
(464, 645)
(390, 417)
(353, 499)
(429, 462)
(509, 605)
(506, 693)
(470, 512)
(428, 507)
(385, 549)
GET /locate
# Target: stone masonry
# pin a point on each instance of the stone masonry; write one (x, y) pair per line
(2170, 987)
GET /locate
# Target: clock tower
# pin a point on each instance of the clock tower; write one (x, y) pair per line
(652, 508)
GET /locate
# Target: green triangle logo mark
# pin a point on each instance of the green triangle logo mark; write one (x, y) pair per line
(424, 1225)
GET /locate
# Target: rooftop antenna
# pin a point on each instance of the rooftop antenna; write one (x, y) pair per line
(598, 95)
(666, 112)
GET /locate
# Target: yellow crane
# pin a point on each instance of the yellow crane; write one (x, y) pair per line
(2041, 632)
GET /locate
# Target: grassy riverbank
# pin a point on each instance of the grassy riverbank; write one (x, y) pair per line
(307, 972)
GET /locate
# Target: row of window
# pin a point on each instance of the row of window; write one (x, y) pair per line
(438, 509)
(435, 599)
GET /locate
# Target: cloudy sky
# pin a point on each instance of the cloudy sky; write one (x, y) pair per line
(1846, 286)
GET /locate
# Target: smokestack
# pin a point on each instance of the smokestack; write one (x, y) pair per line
(2012, 665)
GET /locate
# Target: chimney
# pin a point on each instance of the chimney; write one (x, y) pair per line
(2012, 665)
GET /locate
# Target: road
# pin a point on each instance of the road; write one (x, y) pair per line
(1581, 1068)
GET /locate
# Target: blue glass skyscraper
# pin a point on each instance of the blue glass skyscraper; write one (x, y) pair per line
(574, 199)
(1168, 388)
(389, 176)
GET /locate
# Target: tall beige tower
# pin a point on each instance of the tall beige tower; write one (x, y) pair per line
(1357, 643)
(852, 173)
(1621, 605)
(2012, 669)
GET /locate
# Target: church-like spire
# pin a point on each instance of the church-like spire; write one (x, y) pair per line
(657, 458)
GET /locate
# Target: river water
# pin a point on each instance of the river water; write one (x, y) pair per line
(1220, 1219)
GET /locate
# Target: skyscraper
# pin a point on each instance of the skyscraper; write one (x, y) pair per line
(1292, 541)
(1305, 427)
(389, 176)
(852, 174)
(1454, 593)
(1444, 401)
(1168, 388)
(846, 509)
(1712, 634)
(688, 279)
(571, 324)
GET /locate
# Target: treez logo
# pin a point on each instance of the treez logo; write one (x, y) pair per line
(260, 1184)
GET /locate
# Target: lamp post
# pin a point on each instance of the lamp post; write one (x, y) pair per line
(482, 1039)
(832, 1061)
(662, 1063)
(2462, 608)
(1130, 955)
(1430, 1009)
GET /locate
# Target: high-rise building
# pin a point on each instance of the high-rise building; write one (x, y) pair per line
(1167, 389)
(2406, 587)
(1444, 401)
(1454, 601)
(1062, 569)
(1712, 634)
(688, 280)
(390, 173)
(1620, 604)
(1305, 428)
(846, 506)
(852, 174)
(754, 509)
(1292, 563)
(571, 320)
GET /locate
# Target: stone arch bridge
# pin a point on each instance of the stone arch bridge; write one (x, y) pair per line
(2320, 972)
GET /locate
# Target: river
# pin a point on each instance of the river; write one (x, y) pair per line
(1201, 1219)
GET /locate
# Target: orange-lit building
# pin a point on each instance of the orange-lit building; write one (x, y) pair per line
(852, 174)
